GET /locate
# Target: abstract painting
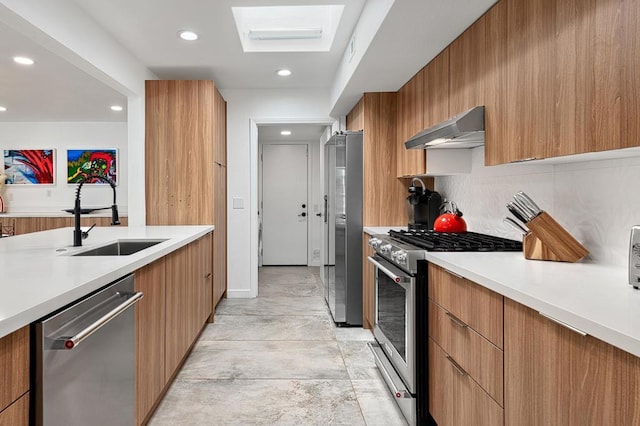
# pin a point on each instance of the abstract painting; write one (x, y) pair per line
(82, 163)
(29, 166)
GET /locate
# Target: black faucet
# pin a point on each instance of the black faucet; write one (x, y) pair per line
(78, 235)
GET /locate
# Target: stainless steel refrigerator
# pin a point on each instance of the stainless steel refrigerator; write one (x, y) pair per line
(343, 227)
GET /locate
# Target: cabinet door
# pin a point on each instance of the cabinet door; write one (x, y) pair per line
(410, 122)
(179, 153)
(368, 287)
(17, 414)
(178, 297)
(436, 90)
(454, 397)
(220, 235)
(150, 337)
(630, 90)
(205, 246)
(355, 118)
(555, 376)
(14, 366)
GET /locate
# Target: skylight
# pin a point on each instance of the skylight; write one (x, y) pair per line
(287, 28)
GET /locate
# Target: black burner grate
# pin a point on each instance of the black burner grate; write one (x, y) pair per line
(467, 241)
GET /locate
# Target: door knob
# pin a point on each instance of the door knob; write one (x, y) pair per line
(303, 214)
(304, 206)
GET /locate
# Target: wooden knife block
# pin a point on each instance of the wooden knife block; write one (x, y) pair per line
(548, 240)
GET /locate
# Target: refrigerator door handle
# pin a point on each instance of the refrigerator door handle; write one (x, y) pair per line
(326, 206)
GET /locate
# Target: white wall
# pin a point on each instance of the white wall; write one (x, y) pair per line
(63, 136)
(596, 201)
(261, 106)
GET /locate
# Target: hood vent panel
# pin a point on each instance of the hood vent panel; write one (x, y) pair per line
(465, 130)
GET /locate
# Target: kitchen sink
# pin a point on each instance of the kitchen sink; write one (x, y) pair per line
(120, 248)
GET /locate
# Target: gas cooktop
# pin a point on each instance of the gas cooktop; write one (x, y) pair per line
(467, 241)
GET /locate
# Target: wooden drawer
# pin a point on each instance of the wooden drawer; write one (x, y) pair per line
(17, 414)
(454, 398)
(478, 307)
(481, 359)
(14, 366)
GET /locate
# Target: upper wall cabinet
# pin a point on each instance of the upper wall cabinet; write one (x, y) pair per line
(435, 97)
(410, 121)
(567, 79)
(384, 195)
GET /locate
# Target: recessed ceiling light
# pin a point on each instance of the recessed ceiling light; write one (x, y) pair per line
(188, 35)
(285, 132)
(284, 72)
(2, 109)
(116, 108)
(23, 60)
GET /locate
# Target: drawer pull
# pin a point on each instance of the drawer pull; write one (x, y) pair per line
(564, 324)
(455, 365)
(457, 321)
(455, 275)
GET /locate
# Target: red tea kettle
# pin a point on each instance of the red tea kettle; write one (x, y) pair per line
(450, 220)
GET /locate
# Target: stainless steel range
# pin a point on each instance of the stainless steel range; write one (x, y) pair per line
(401, 316)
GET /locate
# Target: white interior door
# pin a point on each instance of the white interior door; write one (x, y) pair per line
(284, 204)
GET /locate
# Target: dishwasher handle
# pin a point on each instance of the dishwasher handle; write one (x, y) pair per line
(72, 342)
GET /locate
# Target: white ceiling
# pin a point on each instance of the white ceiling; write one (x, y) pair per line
(410, 35)
(52, 89)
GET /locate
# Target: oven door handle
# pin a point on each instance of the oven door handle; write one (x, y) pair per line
(388, 272)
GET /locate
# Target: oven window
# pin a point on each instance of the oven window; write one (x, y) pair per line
(392, 314)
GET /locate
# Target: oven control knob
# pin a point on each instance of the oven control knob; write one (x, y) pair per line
(401, 257)
(374, 243)
(385, 249)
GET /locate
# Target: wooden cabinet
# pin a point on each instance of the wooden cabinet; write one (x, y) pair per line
(176, 305)
(410, 121)
(384, 195)
(17, 414)
(436, 90)
(564, 79)
(630, 89)
(466, 384)
(14, 370)
(368, 285)
(186, 131)
(554, 375)
(150, 335)
(25, 225)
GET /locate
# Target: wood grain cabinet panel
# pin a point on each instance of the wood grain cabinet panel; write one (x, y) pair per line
(150, 338)
(410, 121)
(555, 376)
(436, 90)
(630, 90)
(384, 195)
(17, 414)
(482, 360)
(564, 79)
(476, 306)
(368, 285)
(454, 397)
(14, 366)
(186, 130)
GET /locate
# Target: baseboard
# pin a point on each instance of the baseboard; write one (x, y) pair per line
(238, 294)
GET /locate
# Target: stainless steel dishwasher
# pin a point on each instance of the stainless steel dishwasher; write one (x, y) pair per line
(85, 360)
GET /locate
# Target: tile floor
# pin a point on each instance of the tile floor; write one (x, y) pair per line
(278, 359)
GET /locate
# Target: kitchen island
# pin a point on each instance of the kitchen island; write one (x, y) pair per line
(39, 274)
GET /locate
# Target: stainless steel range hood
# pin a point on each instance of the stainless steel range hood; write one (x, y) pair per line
(465, 130)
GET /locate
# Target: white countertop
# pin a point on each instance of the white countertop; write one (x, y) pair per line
(593, 298)
(38, 275)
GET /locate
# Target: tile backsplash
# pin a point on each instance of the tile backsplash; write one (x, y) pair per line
(596, 201)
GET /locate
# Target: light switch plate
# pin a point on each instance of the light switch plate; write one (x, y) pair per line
(238, 203)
